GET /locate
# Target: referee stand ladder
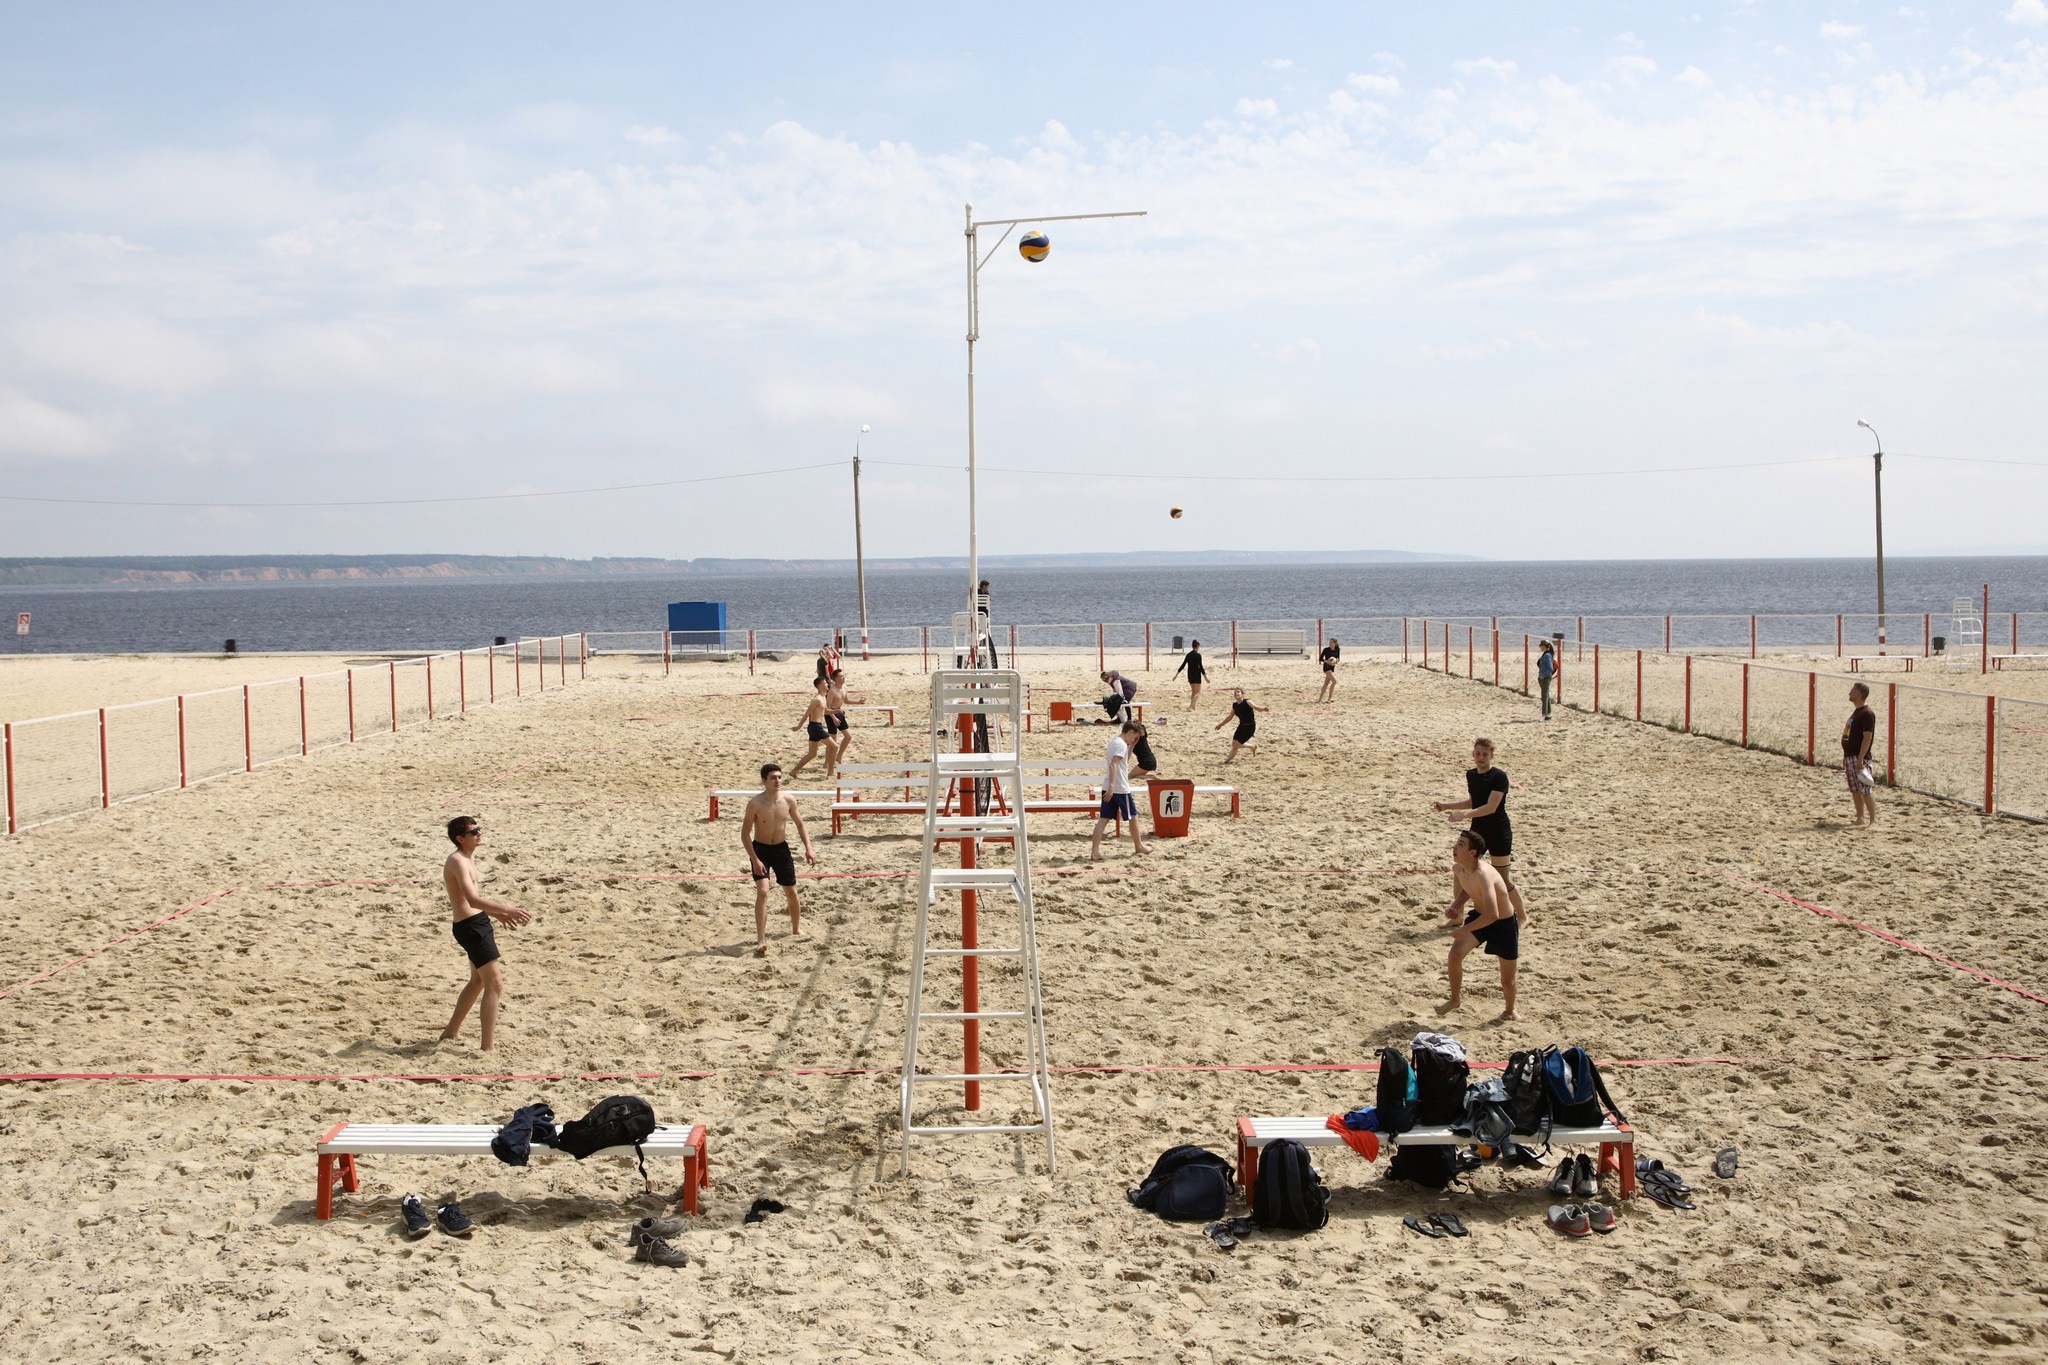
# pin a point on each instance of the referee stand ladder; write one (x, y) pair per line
(968, 705)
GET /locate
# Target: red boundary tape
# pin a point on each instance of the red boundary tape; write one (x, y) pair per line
(154, 924)
(1875, 932)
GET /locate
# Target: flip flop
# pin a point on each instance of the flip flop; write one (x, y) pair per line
(1653, 1172)
(1426, 1229)
(1219, 1233)
(1450, 1223)
(762, 1208)
(1667, 1196)
(1725, 1162)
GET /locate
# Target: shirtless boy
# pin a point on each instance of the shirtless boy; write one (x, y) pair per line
(473, 916)
(836, 722)
(1491, 922)
(764, 834)
(1486, 806)
(814, 728)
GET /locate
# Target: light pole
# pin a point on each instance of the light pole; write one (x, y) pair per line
(975, 261)
(1877, 465)
(860, 568)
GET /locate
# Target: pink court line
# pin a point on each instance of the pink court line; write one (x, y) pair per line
(22, 1077)
(1875, 932)
(154, 924)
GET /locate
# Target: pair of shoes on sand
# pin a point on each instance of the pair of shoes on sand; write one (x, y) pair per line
(450, 1216)
(1668, 1187)
(1575, 1178)
(650, 1242)
(1576, 1220)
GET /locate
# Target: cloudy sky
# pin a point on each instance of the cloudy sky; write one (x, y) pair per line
(309, 253)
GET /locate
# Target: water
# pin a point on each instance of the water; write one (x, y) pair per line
(448, 613)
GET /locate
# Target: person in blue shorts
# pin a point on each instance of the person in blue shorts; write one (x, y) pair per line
(1117, 801)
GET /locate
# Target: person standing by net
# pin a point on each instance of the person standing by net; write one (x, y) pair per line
(1197, 672)
(1857, 737)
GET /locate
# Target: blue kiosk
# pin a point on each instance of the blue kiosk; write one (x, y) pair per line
(697, 625)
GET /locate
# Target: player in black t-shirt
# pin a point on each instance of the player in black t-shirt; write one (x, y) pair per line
(1329, 657)
(1486, 806)
(1857, 737)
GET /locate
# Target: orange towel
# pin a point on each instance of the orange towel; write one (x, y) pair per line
(1363, 1141)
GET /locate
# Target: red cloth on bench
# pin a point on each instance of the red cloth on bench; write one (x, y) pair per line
(1363, 1141)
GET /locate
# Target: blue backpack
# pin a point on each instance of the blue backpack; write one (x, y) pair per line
(1577, 1092)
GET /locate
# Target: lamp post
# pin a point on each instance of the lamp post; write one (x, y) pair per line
(975, 261)
(860, 568)
(1877, 467)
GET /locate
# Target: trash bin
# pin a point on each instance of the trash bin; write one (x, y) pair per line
(1173, 801)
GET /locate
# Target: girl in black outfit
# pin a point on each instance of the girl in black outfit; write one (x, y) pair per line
(1329, 657)
(1486, 806)
(1246, 716)
(1197, 673)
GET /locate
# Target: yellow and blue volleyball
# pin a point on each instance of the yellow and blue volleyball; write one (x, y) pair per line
(1033, 246)
(1175, 514)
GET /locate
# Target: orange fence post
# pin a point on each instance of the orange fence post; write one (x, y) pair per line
(1425, 642)
(519, 667)
(1525, 665)
(248, 735)
(1688, 694)
(1319, 635)
(561, 671)
(1470, 636)
(1812, 688)
(1752, 635)
(351, 711)
(665, 654)
(583, 654)
(540, 655)
(926, 632)
(2015, 634)
(462, 681)
(302, 715)
(1582, 649)
(7, 743)
(1891, 733)
(430, 687)
(1838, 635)
(491, 671)
(1667, 635)
(1984, 632)
(1101, 656)
(1745, 706)
(105, 798)
(1926, 634)
(392, 668)
(1013, 646)
(1596, 680)
(1496, 656)
(1404, 639)
(1991, 755)
(1148, 641)
(1233, 644)
(1639, 684)
(750, 651)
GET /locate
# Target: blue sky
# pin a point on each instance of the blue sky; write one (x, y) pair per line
(299, 253)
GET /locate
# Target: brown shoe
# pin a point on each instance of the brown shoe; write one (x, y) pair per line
(655, 1251)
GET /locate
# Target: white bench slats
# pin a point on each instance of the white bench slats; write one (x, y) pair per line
(1615, 1140)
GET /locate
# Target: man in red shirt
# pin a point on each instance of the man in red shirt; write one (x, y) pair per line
(1857, 737)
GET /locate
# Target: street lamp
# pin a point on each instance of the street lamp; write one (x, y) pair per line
(1877, 465)
(860, 570)
(975, 261)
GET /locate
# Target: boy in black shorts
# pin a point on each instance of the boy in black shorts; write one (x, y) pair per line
(817, 731)
(473, 916)
(1491, 924)
(1486, 806)
(764, 834)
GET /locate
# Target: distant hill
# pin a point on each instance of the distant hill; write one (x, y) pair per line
(173, 569)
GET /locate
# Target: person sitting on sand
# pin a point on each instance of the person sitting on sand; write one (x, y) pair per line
(1117, 801)
(814, 728)
(1247, 717)
(1490, 922)
(473, 916)
(764, 834)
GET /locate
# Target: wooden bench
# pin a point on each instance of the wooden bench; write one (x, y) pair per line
(1272, 642)
(738, 794)
(345, 1142)
(889, 709)
(1856, 661)
(1616, 1141)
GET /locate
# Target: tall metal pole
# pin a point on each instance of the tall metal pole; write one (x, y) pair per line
(1877, 473)
(973, 334)
(860, 568)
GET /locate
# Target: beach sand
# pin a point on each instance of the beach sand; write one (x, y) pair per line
(1893, 1196)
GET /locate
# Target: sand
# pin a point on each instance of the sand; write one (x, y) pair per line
(1884, 1206)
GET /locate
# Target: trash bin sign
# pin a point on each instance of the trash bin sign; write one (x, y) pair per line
(1173, 802)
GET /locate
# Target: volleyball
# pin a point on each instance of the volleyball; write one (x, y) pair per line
(1175, 514)
(1033, 246)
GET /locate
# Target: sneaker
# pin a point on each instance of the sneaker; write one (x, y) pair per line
(413, 1210)
(1599, 1217)
(655, 1251)
(1585, 1184)
(1569, 1219)
(655, 1227)
(453, 1220)
(1561, 1183)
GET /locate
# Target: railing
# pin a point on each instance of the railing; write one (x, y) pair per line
(53, 767)
(1978, 748)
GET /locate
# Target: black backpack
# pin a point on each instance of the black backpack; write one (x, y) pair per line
(1577, 1092)
(1187, 1185)
(1432, 1166)
(1528, 1097)
(620, 1121)
(1288, 1192)
(1441, 1073)
(1394, 1101)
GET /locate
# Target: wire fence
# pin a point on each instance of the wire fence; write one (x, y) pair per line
(1978, 748)
(60, 766)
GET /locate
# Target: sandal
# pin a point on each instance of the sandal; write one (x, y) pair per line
(1220, 1234)
(1451, 1223)
(1428, 1229)
(1668, 1197)
(1653, 1172)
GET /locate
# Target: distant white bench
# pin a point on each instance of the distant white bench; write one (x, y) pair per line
(1616, 1142)
(347, 1141)
(1856, 661)
(1272, 642)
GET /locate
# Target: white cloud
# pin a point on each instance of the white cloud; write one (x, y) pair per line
(453, 368)
(1388, 59)
(119, 350)
(1629, 40)
(34, 429)
(1908, 12)
(1695, 78)
(1632, 67)
(1836, 32)
(1306, 350)
(1491, 65)
(1278, 63)
(1374, 85)
(652, 135)
(786, 400)
(2031, 13)
(1258, 108)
